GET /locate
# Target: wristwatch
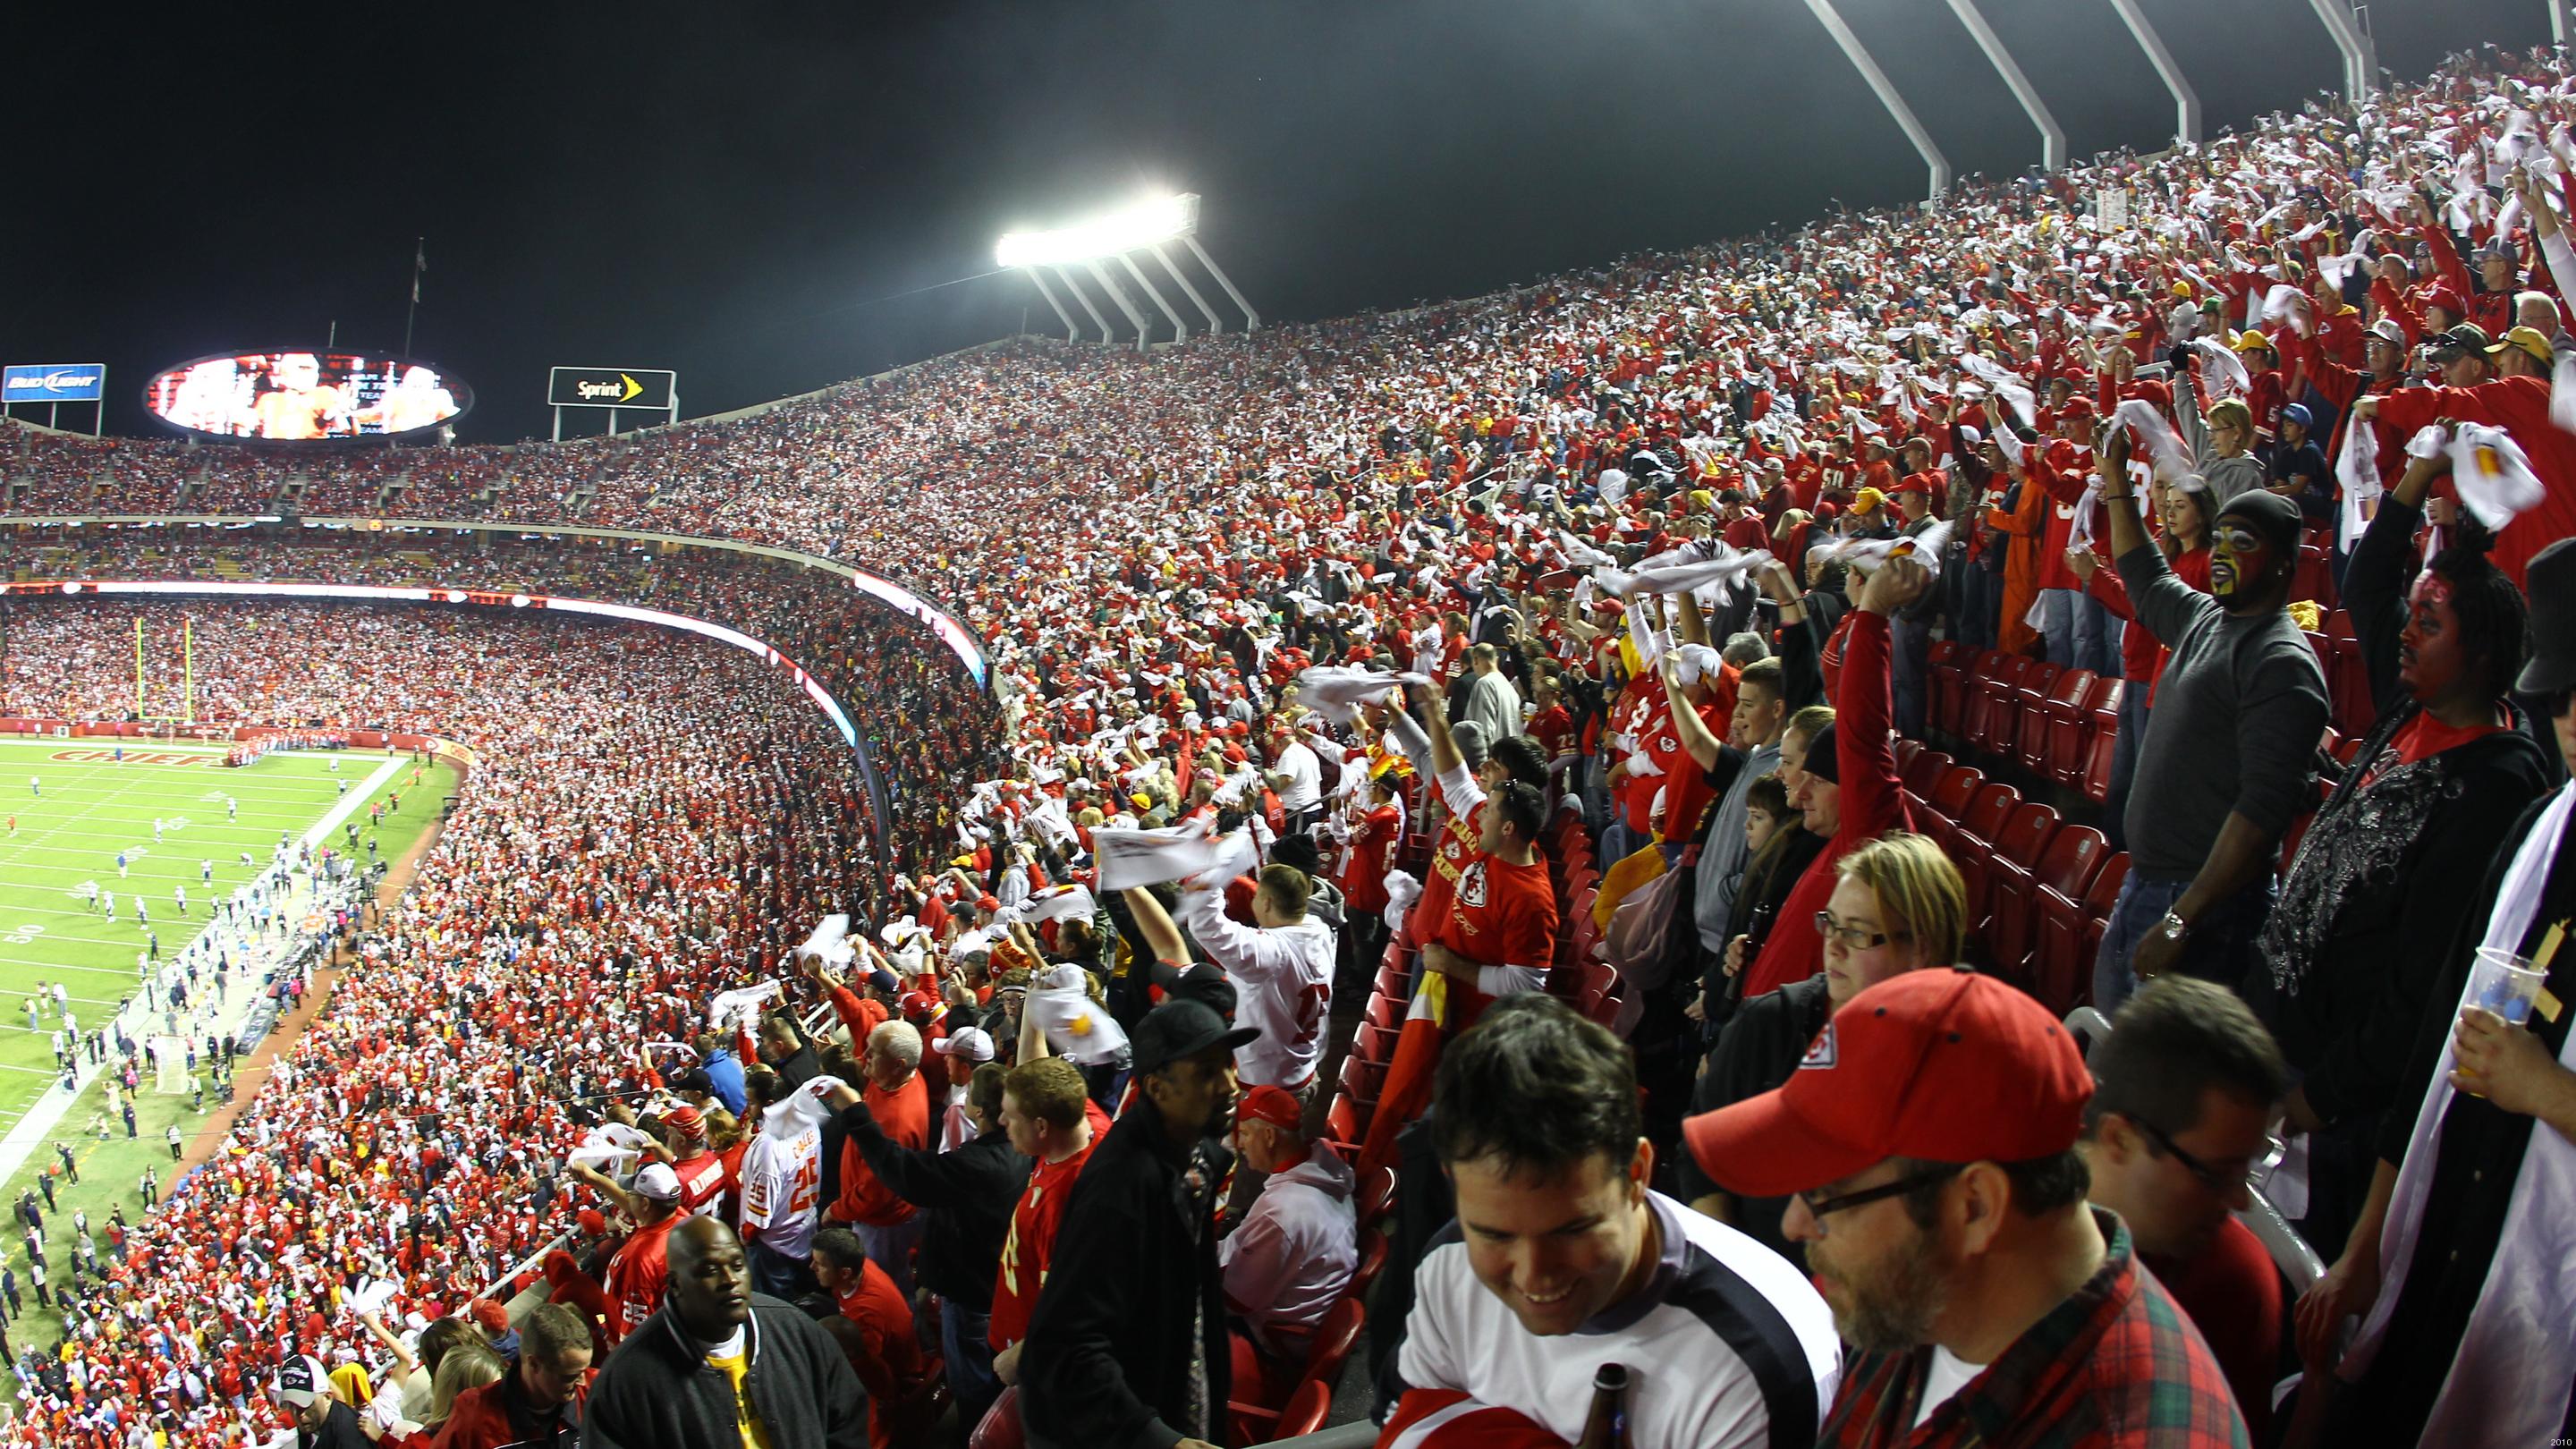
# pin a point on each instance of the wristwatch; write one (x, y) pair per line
(2175, 927)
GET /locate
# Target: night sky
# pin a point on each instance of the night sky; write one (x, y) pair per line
(729, 190)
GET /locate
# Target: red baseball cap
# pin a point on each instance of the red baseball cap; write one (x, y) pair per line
(1273, 1105)
(1944, 1066)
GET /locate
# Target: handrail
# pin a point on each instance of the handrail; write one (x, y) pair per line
(1358, 1434)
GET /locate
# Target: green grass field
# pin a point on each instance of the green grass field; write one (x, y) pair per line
(89, 809)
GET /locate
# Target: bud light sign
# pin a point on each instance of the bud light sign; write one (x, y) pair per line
(53, 382)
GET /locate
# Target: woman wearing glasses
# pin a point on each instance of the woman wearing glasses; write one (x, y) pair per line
(1897, 905)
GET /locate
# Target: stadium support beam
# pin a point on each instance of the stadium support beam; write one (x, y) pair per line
(1215, 324)
(1065, 276)
(1072, 332)
(1252, 319)
(1118, 295)
(1180, 329)
(1885, 90)
(2052, 136)
(2186, 100)
(2557, 22)
(2360, 56)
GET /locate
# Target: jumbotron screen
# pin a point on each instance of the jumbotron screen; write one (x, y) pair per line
(296, 397)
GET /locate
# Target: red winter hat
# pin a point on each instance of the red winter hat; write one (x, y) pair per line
(1939, 1065)
(2446, 297)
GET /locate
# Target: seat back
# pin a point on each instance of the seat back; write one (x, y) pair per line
(1958, 786)
(1333, 1339)
(2026, 834)
(1306, 1410)
(1000, 1427)
(2030, 744)
(2104, 893)
(1924, 771)
(1988, 810)
(2073, 857)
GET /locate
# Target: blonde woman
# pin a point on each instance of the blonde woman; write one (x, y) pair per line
(1898, 905)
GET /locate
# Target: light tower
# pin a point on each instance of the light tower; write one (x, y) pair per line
(1118, 238)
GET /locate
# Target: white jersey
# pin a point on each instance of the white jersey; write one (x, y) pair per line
(1695, 1388)
(782, 1190)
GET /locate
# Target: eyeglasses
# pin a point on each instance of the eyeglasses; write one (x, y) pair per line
(1819, 1207)
(1852, 937)
(2219, 1183)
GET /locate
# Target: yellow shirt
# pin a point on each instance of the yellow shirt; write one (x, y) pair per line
(755, 1434)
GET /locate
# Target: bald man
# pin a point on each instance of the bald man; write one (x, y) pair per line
(720, 1365)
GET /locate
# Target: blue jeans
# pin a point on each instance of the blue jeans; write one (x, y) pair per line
(2220, 948)
(2058, 611)
(891, 1249)
(780, 1276)
(965, 1341)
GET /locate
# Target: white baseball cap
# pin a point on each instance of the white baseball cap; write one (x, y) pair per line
(970, 1042)
(301, 1380)
(658, 1182)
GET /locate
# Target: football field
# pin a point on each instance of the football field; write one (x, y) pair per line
(183, 821)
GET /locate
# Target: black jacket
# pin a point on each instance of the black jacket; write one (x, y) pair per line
(657, 1391)
(1760, 1047)
(1107, 1360)
(2388, 875)
(967, 1194)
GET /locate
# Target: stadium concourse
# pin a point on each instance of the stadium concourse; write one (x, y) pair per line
(2309, 344)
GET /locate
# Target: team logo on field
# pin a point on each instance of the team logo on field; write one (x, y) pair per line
(132, 757)
(1820, 1053)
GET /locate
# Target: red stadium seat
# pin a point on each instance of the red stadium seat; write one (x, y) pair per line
(1987, 692)
(2100, 751)
(1307, 1409)
(1373, 1044)
(1372, 1251)
(1000, 1428)
(2315, 578)
(1922, 770)
(2060, 975)
(2007, 907)
(1342, 1124)
(1384, 1011)
(1990, 714)
(1940, 817)
(1363, 1080)
(1972, 844)
(1953, 685)
(1905, 749)
(2040, 713)
(2070, 726)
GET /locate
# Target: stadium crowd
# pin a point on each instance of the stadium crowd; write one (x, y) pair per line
(1670, 546)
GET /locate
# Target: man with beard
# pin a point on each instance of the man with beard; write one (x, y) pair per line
(1562, 1260)
(2176, 1133)
(1929, 1142)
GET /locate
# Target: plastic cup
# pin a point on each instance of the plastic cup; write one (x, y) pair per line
(2505, 984)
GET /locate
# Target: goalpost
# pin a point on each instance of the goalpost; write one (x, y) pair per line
(188, 674)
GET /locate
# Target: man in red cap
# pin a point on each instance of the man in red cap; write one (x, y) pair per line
(1928, 1145)
(1292, 1258)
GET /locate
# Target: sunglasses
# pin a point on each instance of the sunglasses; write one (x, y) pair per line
(2220, 1184)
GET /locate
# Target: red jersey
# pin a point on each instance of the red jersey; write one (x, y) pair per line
(890, 1365)
(703, 1181)
(637, 1275)
(904, 1115)
(1029, 1249)
(1553, 730)
(1373, 848)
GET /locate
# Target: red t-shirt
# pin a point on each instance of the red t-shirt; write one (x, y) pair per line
(2233, 1296)
(1373, 848)
(1502, 914)
(904, 1116)
(637, 1275)
(1030, 1247)
(891, 1366)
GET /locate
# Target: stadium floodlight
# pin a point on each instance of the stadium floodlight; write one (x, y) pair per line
(1144, 227)
(1125, 230)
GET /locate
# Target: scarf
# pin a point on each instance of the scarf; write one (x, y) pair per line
(2509, 1377)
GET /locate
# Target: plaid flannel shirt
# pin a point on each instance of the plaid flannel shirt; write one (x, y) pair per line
(2116, 1364)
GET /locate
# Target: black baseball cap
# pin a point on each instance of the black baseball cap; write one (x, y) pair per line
(2465, 340)
(1182, 1028)
(2274, 516)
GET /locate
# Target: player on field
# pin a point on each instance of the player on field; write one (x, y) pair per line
(181, 891)
(121, 870)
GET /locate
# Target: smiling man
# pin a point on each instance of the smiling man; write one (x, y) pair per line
(1562, 1260)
